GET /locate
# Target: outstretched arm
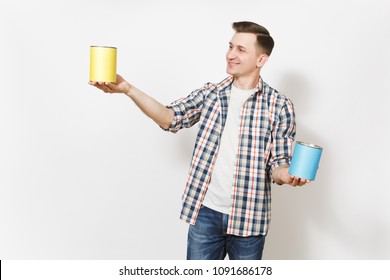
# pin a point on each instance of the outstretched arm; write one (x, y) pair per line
(160, 114)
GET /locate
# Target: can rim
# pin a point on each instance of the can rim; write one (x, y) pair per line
(309, 145)
(103, 47)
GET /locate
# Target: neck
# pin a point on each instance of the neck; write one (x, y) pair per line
(246, 82)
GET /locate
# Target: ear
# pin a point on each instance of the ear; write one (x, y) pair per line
(263, 58)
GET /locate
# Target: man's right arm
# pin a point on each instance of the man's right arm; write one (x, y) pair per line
(160, 114)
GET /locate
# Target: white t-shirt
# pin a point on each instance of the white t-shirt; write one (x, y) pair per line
(218, 195)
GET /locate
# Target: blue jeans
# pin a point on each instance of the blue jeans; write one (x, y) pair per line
(207, 239)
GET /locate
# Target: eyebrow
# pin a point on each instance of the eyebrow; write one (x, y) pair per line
(238, 46)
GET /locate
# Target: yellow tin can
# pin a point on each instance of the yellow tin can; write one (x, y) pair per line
(102, 64)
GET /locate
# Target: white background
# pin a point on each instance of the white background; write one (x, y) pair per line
(85, 175)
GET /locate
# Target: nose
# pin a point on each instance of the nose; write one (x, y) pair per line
(230, 55)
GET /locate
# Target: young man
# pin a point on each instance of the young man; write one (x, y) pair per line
(246, 132)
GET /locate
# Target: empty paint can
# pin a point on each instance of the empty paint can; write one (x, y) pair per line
(305, 160)
(102, 64)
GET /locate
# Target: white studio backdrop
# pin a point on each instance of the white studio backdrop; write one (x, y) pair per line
(85, 175)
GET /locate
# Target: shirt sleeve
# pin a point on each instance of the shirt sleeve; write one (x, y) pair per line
(187, 110)
(284, 134)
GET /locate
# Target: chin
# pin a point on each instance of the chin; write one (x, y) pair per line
(230, 72)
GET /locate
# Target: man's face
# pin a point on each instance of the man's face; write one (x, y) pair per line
(244, 57)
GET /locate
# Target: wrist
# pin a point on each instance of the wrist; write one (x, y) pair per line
(128, 90)
(277, 175)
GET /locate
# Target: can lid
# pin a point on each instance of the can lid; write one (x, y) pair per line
(309, 145)
(103, 47)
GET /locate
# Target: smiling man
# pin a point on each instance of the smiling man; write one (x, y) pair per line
(245, 137)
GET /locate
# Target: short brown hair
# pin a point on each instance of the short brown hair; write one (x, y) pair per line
(264, 39)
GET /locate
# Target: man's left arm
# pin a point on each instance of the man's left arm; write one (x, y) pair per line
(282, 147)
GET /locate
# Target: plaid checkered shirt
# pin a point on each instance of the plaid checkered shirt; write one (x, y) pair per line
(266, 134)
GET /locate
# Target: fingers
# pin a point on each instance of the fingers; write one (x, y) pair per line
(95, 84)
(296, 181)
(104, 86)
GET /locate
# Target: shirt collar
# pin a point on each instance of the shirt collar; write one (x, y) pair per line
(229, 80)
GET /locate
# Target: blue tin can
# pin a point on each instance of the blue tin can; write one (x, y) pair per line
(305, 160)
